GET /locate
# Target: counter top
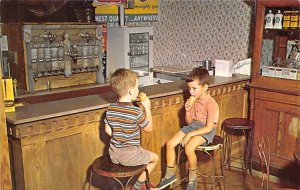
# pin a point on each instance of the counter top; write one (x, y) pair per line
(51, 109)
(171, 69)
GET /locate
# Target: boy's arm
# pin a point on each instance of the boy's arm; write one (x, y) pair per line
(108, 129)
(149, 127)
(188, 114)
(147, 105)
(188, 117)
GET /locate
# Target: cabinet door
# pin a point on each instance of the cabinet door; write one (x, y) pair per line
(276, 56)
(280, 123)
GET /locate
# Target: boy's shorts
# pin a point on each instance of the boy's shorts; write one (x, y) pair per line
(197, 125)
(129, 156)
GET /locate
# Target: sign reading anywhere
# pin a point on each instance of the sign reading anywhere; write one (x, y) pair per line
(143, 11)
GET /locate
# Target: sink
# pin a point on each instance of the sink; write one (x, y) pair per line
(170, 76)
(153, 81)
(171, 72)
(175, 69)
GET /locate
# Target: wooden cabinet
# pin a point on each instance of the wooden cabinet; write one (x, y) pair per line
(275, 101)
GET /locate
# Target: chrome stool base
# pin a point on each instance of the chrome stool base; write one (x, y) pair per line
(215, 146)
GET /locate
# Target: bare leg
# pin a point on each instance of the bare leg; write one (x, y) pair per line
(190, 148)
(150, 166)
(171, 144)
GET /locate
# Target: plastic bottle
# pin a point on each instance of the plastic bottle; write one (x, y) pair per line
(269, 19)
(278, 20)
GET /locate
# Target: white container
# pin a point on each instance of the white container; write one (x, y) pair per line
(286, 73)
(293, 74)
(278, 20)
(272, 72)
(278, 72)
(223, 68)
(269, 19)
(265, 71)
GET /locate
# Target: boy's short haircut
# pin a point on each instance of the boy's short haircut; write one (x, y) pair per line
(200, 74)
(122, 80)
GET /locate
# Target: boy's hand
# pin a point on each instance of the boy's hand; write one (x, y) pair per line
(142, 96)
(189, 103)
(146, 103)
(185, 140)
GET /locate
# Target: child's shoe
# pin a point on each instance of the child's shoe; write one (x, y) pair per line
(192, 185)
(165, 182)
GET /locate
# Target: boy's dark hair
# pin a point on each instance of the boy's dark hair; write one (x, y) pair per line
(122, 80)
(200, 74)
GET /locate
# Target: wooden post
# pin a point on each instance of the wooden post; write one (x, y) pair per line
(5, 177)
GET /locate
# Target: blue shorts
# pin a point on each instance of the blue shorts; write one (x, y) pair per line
(197, 125)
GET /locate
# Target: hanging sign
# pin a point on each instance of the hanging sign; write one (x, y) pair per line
(143, 11)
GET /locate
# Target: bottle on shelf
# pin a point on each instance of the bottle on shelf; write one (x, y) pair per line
(286, 19)
(278, 20)
(269, 20)
(294, 19)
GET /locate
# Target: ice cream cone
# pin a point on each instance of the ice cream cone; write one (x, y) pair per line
(192, 99)
(142, 96)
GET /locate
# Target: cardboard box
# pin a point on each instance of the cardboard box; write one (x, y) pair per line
(293, 74)
(265, 71)
(298, 75)
(223, 68)
(272, 71)
(278, 72)
(286, 73)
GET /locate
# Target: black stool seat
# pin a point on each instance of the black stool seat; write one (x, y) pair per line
(238, 126)
(105, 167)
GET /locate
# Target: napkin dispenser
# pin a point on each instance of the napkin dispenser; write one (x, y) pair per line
(8, 94)
(223, 68)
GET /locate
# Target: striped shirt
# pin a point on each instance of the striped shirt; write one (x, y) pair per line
(125, 121)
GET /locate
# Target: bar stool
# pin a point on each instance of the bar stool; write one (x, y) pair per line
(210, 149)
(104, 167)
(238, 126)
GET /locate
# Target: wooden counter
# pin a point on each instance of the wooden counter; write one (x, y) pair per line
(54, 143)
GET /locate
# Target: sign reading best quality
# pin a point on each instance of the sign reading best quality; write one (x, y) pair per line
(143, 11)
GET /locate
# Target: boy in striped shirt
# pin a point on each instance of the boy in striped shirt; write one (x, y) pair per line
(123, 123)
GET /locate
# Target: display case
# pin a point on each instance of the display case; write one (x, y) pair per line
(277, 51)
(275, 81)
(131, 48)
